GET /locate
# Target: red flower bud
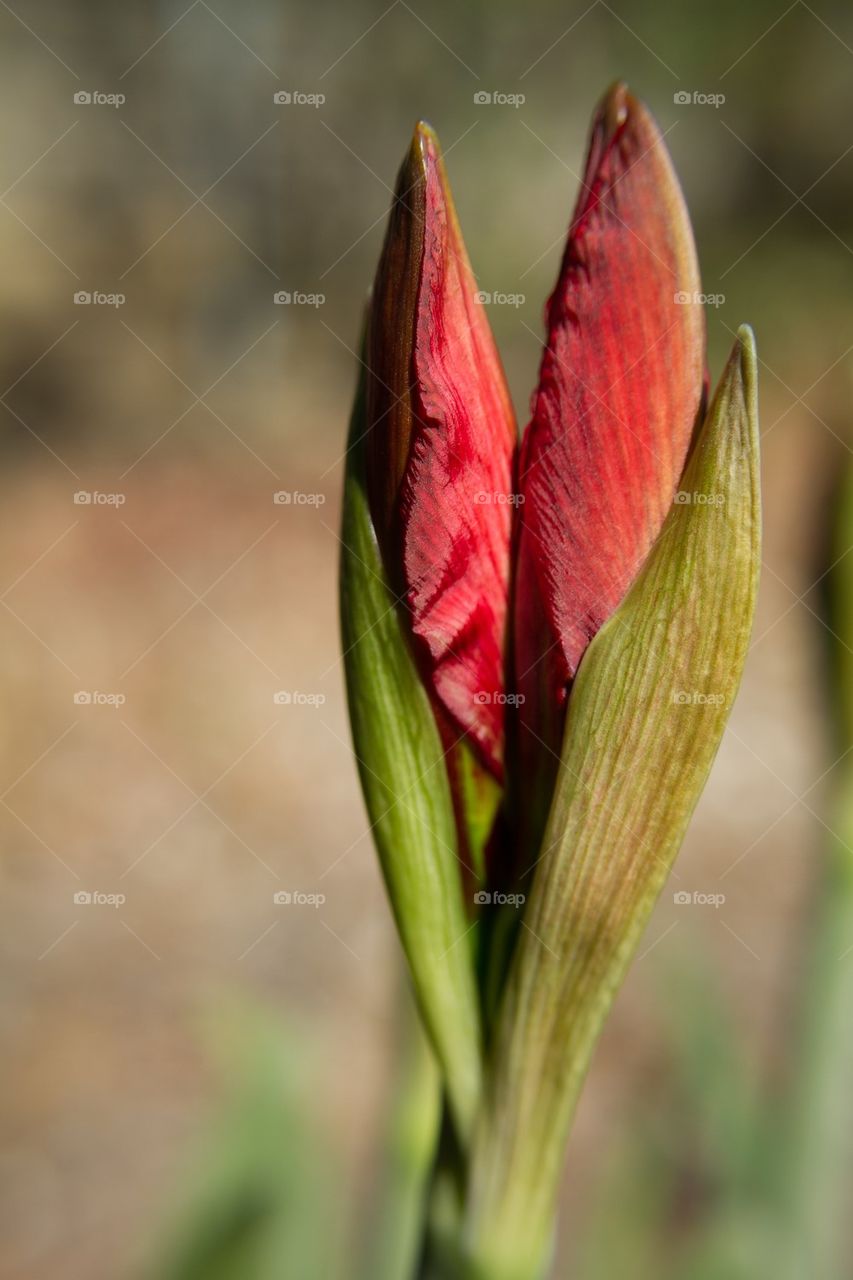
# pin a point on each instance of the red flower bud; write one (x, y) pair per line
(440, 448)
(619, 392)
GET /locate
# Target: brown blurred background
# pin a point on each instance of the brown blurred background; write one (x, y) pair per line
(180, 598)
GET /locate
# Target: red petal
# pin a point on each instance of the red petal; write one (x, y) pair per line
(619, 391)
(450, 532)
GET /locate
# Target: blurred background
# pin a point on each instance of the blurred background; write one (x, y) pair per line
(190, 1067)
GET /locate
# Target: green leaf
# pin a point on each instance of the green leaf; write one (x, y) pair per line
(646, 716)
(403, 773)
(816, 1165)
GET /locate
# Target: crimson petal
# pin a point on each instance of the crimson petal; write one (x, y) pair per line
(441, 447)
(619, 392)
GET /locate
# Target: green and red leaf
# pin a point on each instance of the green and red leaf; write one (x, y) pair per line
(440, 453)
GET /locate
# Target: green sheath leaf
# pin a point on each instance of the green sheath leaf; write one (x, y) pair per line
(646, 716)
(404, 779)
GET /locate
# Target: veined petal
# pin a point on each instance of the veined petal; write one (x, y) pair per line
(618, 397)
(440, 453)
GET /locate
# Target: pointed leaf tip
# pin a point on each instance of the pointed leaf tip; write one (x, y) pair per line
(748, 361)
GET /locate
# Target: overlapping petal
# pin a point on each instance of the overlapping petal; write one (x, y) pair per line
(619, 393)
(441, 448)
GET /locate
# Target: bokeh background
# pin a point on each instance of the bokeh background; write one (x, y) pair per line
(190, 1037)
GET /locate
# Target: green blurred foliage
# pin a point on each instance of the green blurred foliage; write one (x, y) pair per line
(261, 1199)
